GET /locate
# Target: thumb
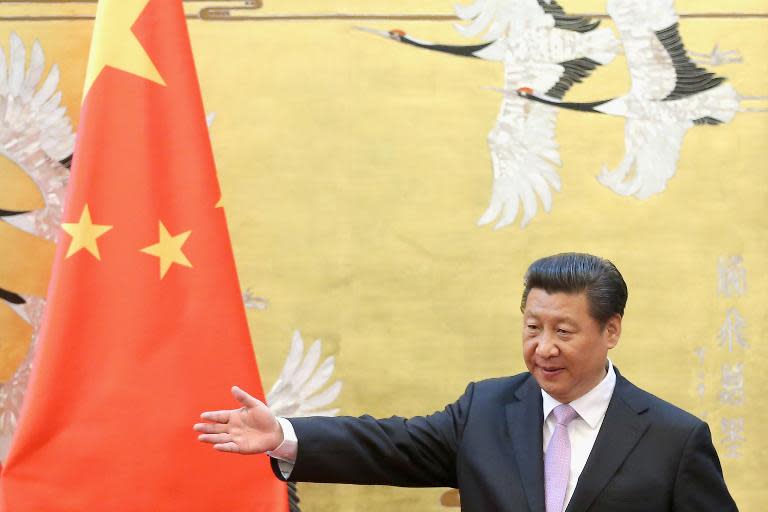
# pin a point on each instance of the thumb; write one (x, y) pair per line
(244, 398)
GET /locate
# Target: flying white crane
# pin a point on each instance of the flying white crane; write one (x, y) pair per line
(541, 47)
(669, 95)
(36, 134)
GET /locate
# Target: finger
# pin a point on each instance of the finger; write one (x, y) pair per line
(211, 428)
(227, 447)
(215, 438)
(217, 416)
(244, 398)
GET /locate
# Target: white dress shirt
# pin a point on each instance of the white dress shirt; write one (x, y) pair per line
(583, 430)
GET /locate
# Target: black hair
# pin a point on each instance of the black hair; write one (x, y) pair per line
(580, 273)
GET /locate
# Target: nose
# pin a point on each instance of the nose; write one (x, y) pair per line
(547, 346)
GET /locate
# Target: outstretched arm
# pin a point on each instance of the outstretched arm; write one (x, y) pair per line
(409, 452)
(415, 452)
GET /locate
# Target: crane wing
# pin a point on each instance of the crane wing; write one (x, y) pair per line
(659, 64)
(493, 16)
(31, 115)
(524, 154)
(652, 153)
(489, 16)
(650, 65)
(691, 79)
(298, 391)
(565, 21)
(585, 53)
(35, 131)
(574, 71)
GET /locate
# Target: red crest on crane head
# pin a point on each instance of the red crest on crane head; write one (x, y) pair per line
(397, 32)
(525, 90)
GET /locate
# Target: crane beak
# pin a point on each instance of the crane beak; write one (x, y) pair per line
(381, 33)
(505, 92)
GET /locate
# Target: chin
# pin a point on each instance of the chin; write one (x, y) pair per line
(547, 386)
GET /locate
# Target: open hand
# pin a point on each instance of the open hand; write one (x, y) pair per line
(248, 430)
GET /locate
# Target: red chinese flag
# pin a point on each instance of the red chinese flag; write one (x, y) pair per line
(145, 326)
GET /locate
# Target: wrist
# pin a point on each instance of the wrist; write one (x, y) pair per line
(288, 448)
(279, 435)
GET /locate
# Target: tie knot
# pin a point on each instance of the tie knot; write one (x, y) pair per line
(564, 414)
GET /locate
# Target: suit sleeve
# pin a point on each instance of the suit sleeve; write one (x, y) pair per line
(413, 452)
(699, 485)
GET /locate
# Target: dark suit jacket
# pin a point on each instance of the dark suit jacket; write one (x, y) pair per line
(649, 456)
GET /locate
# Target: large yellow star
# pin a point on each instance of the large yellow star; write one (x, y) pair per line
(168, 249)
(84, 234)
(114, 44)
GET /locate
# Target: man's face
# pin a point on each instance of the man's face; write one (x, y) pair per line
(565, 349)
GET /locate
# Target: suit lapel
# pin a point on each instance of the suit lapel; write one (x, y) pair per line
(622, 428)
(524, 423)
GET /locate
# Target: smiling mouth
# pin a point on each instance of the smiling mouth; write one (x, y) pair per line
(551, 371)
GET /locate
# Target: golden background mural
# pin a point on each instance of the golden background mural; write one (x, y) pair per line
(354, 171)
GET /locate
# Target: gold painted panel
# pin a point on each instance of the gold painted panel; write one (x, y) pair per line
(354, 170)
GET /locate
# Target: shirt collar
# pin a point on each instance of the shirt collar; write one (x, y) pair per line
(591, 407)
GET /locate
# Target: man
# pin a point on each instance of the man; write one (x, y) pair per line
(571, 434)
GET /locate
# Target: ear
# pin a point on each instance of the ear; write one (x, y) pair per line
(613, 331)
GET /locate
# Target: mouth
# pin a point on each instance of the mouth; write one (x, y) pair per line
(551, 371)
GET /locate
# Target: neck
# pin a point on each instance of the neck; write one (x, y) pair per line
(581, 107)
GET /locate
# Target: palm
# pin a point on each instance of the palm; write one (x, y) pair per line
(252, 428)
(247, 430)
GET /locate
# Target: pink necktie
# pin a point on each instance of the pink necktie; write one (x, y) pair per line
(557, 459)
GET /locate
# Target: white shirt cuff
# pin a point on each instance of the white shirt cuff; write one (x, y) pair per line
(288, 449)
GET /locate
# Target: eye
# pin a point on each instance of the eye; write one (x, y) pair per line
(563, 332)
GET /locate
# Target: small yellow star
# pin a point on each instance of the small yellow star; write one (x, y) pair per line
(168, 249)
(114, 44)
(84, 234)
(220, 204)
